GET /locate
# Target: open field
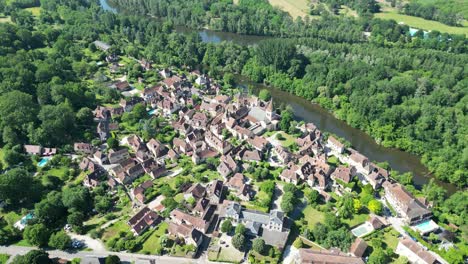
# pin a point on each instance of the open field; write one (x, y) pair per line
(294, 7)
(422, 23)
(36, 11)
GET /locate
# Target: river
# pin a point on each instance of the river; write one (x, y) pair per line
(324, 120)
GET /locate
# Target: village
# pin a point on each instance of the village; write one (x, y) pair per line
(230, 143)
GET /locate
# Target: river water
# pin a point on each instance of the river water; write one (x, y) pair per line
(324, 120)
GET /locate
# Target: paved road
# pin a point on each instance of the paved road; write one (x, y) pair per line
(125, 257)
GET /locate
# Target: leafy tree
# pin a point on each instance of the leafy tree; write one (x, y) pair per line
(287, 116)
(357, 205)
(112, 143)
(112, 259)
(17, 185)
(17, 110)
(264, 95)
(102, 204)
(37, 234)
(238, 241)
(375, 207)
(259, 245)
(287, 203)
(240, 229)
(313, 197)
(226, 226)
(33, 257)
(378, 256)
(75, 219)
(51, 209)
(60, 240)
(77, 198)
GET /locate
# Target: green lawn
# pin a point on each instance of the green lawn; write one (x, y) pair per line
(294, 7)
(151, 245)
(422, 23)
(288, 139)
(230, 254)
(391, 237)
(313, 216)
(36, 11)
(4, 258)
(356, 220)
(23, 243)
(114, 230)
(58, 172)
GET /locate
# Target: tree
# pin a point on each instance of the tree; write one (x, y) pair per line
(357, 205)
(375, 207)
(60, 240)
(17, 186)
(226, 226)
(287, 116)
(17, 110)
(259, 245)
(378, 256)
(102, 204)
(75, 219)
(313, 197)
(112, 143)
(51, 209)
(288, 202)
(240, 229)
(264, 95)
(77, 198)
(238, 241)
(37, 234)
(33, 257)
(112, 259)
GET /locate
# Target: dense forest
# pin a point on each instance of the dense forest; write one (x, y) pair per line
(451, 17)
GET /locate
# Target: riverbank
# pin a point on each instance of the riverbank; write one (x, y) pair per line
(398, 160)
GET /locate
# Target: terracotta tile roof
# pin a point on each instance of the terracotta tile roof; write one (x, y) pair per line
(358, 247)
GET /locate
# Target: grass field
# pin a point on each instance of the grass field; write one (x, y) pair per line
(5, 19)
(294, 7)
(422, 23)
(313, 216)
(152, 245)
(36, 11)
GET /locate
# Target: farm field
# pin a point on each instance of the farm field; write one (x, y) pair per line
(424, 24)
(294, 7)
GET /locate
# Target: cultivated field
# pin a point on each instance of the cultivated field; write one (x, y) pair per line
(424, 24)
(294, 7)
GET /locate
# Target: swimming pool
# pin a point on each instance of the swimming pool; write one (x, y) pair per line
(43, 161)
(152, 112)
(426, 226)
(362, 230)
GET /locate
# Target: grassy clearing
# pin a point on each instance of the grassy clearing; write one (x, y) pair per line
(5, 19)
(295, 8)
(287, 140)
(4, 258)
(115, 229)
(421, 23)
(313, 216)
(152, 245)
(356, 220)
(36, 11)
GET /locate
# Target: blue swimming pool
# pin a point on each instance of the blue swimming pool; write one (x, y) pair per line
(43, 161)
(426, 226)
(152, 112)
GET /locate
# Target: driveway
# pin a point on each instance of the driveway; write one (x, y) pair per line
(91, 243)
